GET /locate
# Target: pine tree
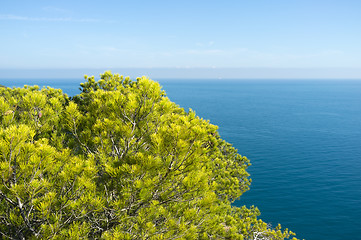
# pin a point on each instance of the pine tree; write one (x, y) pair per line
(118, 161)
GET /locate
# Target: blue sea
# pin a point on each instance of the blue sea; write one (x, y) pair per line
(303, 138)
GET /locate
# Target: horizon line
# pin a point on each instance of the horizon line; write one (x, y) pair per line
(188, 72)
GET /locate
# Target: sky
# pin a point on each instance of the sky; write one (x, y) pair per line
(259, 38)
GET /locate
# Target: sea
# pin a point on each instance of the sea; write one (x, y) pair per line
(303, 138)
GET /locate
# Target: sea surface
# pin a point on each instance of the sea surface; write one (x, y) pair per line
(303, 138)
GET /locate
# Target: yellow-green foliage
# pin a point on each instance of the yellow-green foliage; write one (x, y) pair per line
(118, 161)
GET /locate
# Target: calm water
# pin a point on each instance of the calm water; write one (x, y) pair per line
(302, 137)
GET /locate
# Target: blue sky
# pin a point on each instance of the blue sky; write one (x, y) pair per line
(258, 34)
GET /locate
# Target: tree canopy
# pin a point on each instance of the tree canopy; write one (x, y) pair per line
(118, 161)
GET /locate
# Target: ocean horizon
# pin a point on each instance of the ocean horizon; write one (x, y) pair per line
(303, 138)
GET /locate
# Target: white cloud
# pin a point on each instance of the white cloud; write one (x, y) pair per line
(334, 52)
(208, 44)
(110, 49)
(44, 19)
(206, 52)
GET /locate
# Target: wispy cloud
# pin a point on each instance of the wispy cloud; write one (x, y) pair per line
(208, 44)
(110, 49)
(10, 17)
(207, 52)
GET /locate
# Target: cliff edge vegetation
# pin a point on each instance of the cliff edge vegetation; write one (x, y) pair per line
(118, 161)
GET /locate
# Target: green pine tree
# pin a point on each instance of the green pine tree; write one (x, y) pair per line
(118, 161)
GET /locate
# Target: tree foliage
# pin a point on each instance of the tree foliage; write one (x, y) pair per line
(118, 161)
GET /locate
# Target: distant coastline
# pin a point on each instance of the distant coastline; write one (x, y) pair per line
(190, 73)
